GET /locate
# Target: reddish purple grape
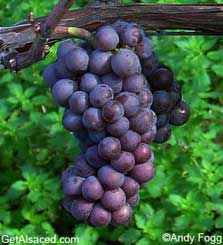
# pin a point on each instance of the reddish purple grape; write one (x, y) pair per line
(112, 111)
(81, 209)
(133, 200)
(93, 157)
(82, 168)
(72, 185)
(110, 178)
(143, 172)
(162, 79)
(92, 119)
(119, 127)
(144, 49)
(122, 215)
(78, 102)
(100, 95)
(161, 102)
(72, 121)
(124, 163)
(113, 81)
(113, 199)
(49, 75)
(145, 97)
(130, 186)
(163, 134)
(69, 172)
(180, 114)
(131, 34)
(134, 83)
(149, 136)
(106, 38)
(100, 216)
(109, 148)
(130, 140)
(91, 189)
(130, 102)
(142, 153)
(88, 82)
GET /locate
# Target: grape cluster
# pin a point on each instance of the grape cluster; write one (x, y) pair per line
(117, 100)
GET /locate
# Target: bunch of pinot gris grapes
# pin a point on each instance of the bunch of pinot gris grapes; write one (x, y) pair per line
(117, 100)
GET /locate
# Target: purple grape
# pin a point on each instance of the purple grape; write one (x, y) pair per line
(62, 90)
(93, 158)
(112, 111)
(49, 75)
(162, 79)
(161, 102)
(65, 47)
(122, 215)
(119, 26)
(130, 102)
(142, 153)
(109, 148)
(100, 62)
(133, 200)
(69, 172)
(119, 127)
(124, 163)
(92, 119)
(130, 140)
(97, 136)
(77, 60)
(149, 136)
(84, 145)
(81, 209)
(106, 38)
(175, 93)
(145, 97)
(149, 65)
(134, 83)
(72, 185)
(113, 200)
(88, 82)
(144, 49)
(130, 186)
(72, 121)
(78, 102)
(113, 81)
(67, 202)
(143, 121)
(162, 120)
(81, 135)
(62, 70)
(110, 178)
(82, 168)
(143, 172)
(131, 34)
(100, 216)
(125, 63)
(163, 134)
(91, 189)
(100, 95)
(180, 114)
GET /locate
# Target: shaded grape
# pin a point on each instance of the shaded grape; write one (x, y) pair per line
(72, 121)
(175, 93)
(131, 34)
(92, 119)
(162, 120)
(82, 168)
(124, 163)
(67, 202)
(144, 49)
(130, 186)
(113, 81)
(62, 70)
(91, 189)
(161, 102)
(78, 102)
(130, 140)
(72, 185)
(93, 158)
(149, 65)
(49, 75)
(88, 82)
(163, 134)
(69, 172)
(109, 148)
(65, 47)
(112, 111)
(97, 136)
(122, 215)
(134, 83)
(100, 216)
(143, 172)
(119, 127)
(180, 114)
(145, 97)
(162, 79)
(133, 200)
(81, 209)
(149, 136)
(142, 153)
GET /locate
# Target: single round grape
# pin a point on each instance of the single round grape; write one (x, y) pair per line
(134, 83)
(119, 26)
(72, 121)
(125, 63)
(113, 81)
(81, 209)
(106, 38)
(149, 65)
(180, 114)
(69, 172)
(162, 79)
(91, 189)
(143, 172)
(88, 82)
(113, 199)
(130, 102)
(62, 90)
(130, 140)
(142, 153)
(93, 157)
(162, 120)
(49, 75)
(131, 34)
(100, 62)
(130, 186)
(124, 163)
(122, 215)
(82, 168)
(72, 185)
(119, 127)
(62, 70)
(142, 122)
(133, 200)
(100, 216)
(109, 148)
(110, 178)
(144, 49)
(97, 136)
(67, 202)
(77, 60)
(161, 102)
(145, 97)
(78, 102)
(100, 95)
(92, 119)
(175, 93)
(163, 134)
(65, 47)
(149, 136)
(112, 111)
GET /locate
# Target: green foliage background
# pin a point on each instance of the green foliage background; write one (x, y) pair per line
(184, 197)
